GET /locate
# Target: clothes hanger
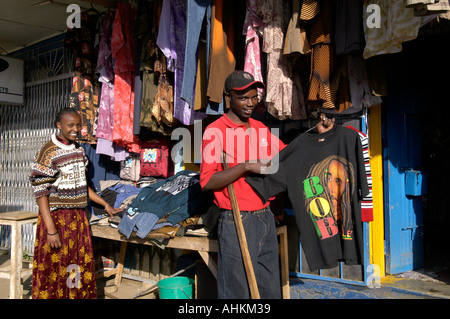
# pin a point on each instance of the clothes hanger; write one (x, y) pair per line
(92, 10)
(324, 118)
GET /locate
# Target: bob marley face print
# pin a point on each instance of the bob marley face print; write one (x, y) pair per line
(328, 190)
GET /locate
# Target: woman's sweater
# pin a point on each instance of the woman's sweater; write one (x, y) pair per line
(59, 172)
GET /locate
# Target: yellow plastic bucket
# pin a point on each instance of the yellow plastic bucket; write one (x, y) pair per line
(176, 288)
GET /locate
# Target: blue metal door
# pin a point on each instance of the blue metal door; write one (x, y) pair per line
(403, 177)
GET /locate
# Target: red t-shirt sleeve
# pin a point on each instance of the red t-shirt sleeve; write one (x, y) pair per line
(211, 155)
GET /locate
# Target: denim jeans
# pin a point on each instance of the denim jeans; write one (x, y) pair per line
(263, 248)
(196, 12)
(141, 223)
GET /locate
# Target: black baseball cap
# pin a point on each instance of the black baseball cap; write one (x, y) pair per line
(240, 80)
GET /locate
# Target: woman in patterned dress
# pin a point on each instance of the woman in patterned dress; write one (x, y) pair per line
(63, 265)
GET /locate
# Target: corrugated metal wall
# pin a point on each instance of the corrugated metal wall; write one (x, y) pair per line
(23, 131)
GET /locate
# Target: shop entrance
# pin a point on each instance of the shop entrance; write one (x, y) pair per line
(416, 141)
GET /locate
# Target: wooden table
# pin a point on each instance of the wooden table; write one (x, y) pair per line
(203, 245)
(16, 219)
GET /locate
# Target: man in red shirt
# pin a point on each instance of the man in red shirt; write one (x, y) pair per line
(249, 145)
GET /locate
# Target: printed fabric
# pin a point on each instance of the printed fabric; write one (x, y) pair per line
(172, 42)
(325, 189)
(284, 98)
(58, 171)
(329, 86)
(67, 272)
(123, 47)
(85, 99)
(105, 68)
(320, 93)
(80, 41)
(253, 32)
(366, 201)
(149, 93)
(163, 106)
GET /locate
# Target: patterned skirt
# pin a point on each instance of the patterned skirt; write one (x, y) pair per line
(67, 272)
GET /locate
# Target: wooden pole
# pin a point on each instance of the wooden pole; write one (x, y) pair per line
(254, 292)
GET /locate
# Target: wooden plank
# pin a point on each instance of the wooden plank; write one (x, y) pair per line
(15, 288)
(123, 250)
(16, 219)
(209, 262)
(18, 215)
(284, 261)
(203, 245)
(189, 243)
(248, 266)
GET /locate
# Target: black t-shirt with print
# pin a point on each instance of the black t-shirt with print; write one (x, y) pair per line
(325, 179)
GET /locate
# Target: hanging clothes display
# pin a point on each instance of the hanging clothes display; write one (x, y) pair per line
(282, 100)
(360, 92)
(428, 7)
(162, 112)
(157, 90)
(366, 201)
(252, 30)
(84, 98)
(320, 93)
(324, 188)
(322, 63)
(222, 56)
(105, 65)
(329, 86)
(348, 33)
(123, 48)
(81, 42)
(173, 44)
(196, 13)
(163, 106)
(203, 41)
(296, 37)
(398, 25)
(157, 103)
(146, 29)
(85, 89)
(105, 70)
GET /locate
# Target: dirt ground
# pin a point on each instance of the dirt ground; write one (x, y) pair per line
(434, 281)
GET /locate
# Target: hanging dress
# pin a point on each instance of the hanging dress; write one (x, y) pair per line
(123, 48)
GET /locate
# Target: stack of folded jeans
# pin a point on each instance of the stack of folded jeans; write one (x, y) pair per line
(176, 198)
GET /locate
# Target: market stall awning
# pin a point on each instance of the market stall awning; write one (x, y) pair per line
(26, 22)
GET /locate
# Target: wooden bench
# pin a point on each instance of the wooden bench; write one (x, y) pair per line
(203, 245)
(15, 273)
